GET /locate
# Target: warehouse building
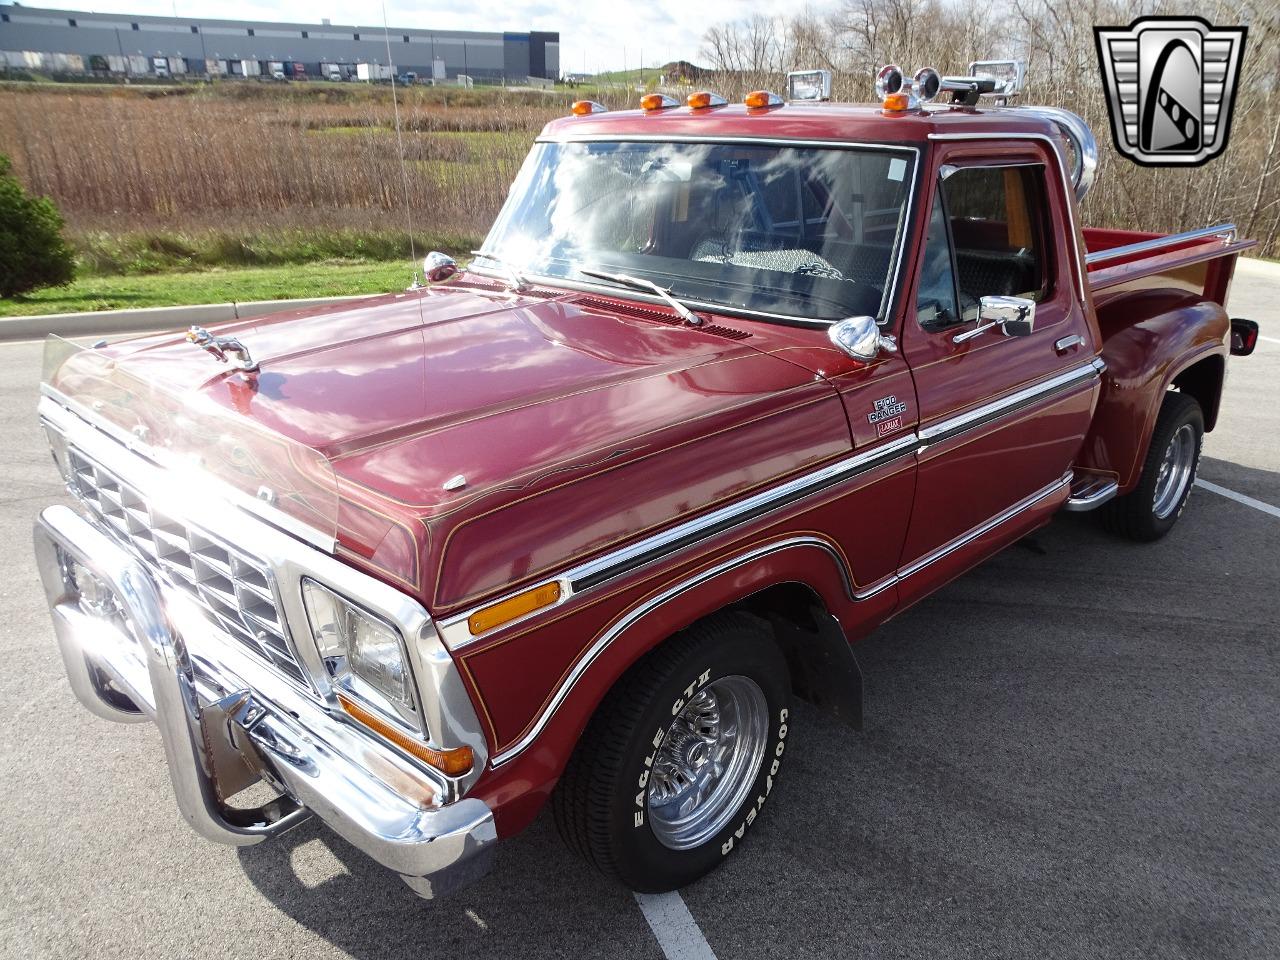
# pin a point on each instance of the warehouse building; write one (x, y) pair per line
(69, 41)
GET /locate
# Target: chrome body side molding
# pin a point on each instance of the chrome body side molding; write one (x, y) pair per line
(632, 617)
(591, 574)
(637, 613)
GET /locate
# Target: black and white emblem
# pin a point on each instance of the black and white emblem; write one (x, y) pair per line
(1171, 83)
(886, 408)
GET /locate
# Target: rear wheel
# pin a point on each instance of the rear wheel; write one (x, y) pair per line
(677, 763)
(1151, 509)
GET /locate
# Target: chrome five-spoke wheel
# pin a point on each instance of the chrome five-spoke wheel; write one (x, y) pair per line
(1175, 471)
(707, 762)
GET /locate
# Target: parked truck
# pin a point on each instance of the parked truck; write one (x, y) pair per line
(578, 524)
(374, 72)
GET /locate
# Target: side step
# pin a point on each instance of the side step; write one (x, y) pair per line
(1090, 491)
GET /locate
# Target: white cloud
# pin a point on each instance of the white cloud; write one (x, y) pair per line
(596, 37)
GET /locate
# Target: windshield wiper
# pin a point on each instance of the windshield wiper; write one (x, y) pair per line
(515, 279)
(639, 283)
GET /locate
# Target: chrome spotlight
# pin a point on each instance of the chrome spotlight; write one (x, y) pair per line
(928, 84)
(888, 80)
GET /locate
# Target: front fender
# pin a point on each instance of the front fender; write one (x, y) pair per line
(528, 760)
(1173, 331)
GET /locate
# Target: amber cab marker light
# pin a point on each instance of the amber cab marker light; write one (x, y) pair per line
(656, 101)
(761, 99)
(454, 762)
(583, 108)
(512, 608)
(896, 102)
(704, 99)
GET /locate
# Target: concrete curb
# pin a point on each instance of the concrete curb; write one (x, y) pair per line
(150, 318)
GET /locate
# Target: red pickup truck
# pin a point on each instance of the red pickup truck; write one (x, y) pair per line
(729, 386)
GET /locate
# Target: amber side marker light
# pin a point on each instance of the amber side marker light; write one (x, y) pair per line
(512, 608)
(583, 108)
(454, 762)
(896, 103)
(762, 99)
(704, 99)
(657, 101)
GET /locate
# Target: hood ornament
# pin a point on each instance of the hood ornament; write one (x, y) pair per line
(219, 347)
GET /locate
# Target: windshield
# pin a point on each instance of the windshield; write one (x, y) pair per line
(802, 232)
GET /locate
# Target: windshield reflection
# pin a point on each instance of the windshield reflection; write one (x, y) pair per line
(800, 232)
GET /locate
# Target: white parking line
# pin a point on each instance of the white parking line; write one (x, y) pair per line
(673, 925)
(1239, 498)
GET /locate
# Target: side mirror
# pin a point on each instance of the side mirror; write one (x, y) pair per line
(438, 267)
(1015, 316)
(860, 338)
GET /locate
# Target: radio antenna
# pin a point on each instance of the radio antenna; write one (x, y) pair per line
(404, 165)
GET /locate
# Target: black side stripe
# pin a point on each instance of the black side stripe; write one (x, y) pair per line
(760, 510)
(627, 564)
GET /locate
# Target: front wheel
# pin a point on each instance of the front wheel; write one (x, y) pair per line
(1151, 509)
(677, 763)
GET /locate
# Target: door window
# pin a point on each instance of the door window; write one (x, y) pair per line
(987, 236)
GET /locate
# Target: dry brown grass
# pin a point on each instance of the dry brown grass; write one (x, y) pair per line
(133, 162)
(244, 160)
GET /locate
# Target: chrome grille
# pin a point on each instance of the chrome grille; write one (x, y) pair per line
(235, 590)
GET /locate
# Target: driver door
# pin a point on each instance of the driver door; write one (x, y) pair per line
(1003, 416)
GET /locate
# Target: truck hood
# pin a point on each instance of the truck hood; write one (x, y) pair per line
(481, 439)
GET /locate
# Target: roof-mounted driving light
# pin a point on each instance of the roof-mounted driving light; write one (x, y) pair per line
(926, 84)
(657, 101)
(809, 85)
(762, 100)
(705, 99)
(584, 108)
(888, 80)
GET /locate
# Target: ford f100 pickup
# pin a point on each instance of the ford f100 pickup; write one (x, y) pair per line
(728, 386)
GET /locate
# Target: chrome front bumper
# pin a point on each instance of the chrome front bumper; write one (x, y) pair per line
(227, 721)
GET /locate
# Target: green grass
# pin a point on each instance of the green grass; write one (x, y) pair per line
(104, 253)
(213, 286)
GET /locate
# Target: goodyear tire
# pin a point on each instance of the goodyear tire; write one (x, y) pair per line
(1151, 509)
(675, 767)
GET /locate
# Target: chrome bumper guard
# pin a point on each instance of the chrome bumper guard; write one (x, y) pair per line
(126, 662)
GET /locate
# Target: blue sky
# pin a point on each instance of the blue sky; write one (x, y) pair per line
(599, 35)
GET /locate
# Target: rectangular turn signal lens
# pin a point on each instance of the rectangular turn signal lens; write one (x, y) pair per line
(512, 608)
(454, 762)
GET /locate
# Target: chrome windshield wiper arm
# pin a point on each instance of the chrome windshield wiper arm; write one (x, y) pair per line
(515, 280)
(639, 283)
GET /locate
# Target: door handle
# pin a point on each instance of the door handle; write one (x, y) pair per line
(1069, 343)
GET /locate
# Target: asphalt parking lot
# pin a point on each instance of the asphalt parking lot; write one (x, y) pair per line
(1073, 751)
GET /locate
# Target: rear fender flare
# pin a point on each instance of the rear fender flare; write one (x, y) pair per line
(1144, 360)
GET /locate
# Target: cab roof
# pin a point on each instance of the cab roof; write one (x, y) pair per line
(841, 122)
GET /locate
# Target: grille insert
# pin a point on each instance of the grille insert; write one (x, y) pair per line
(235, 590)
